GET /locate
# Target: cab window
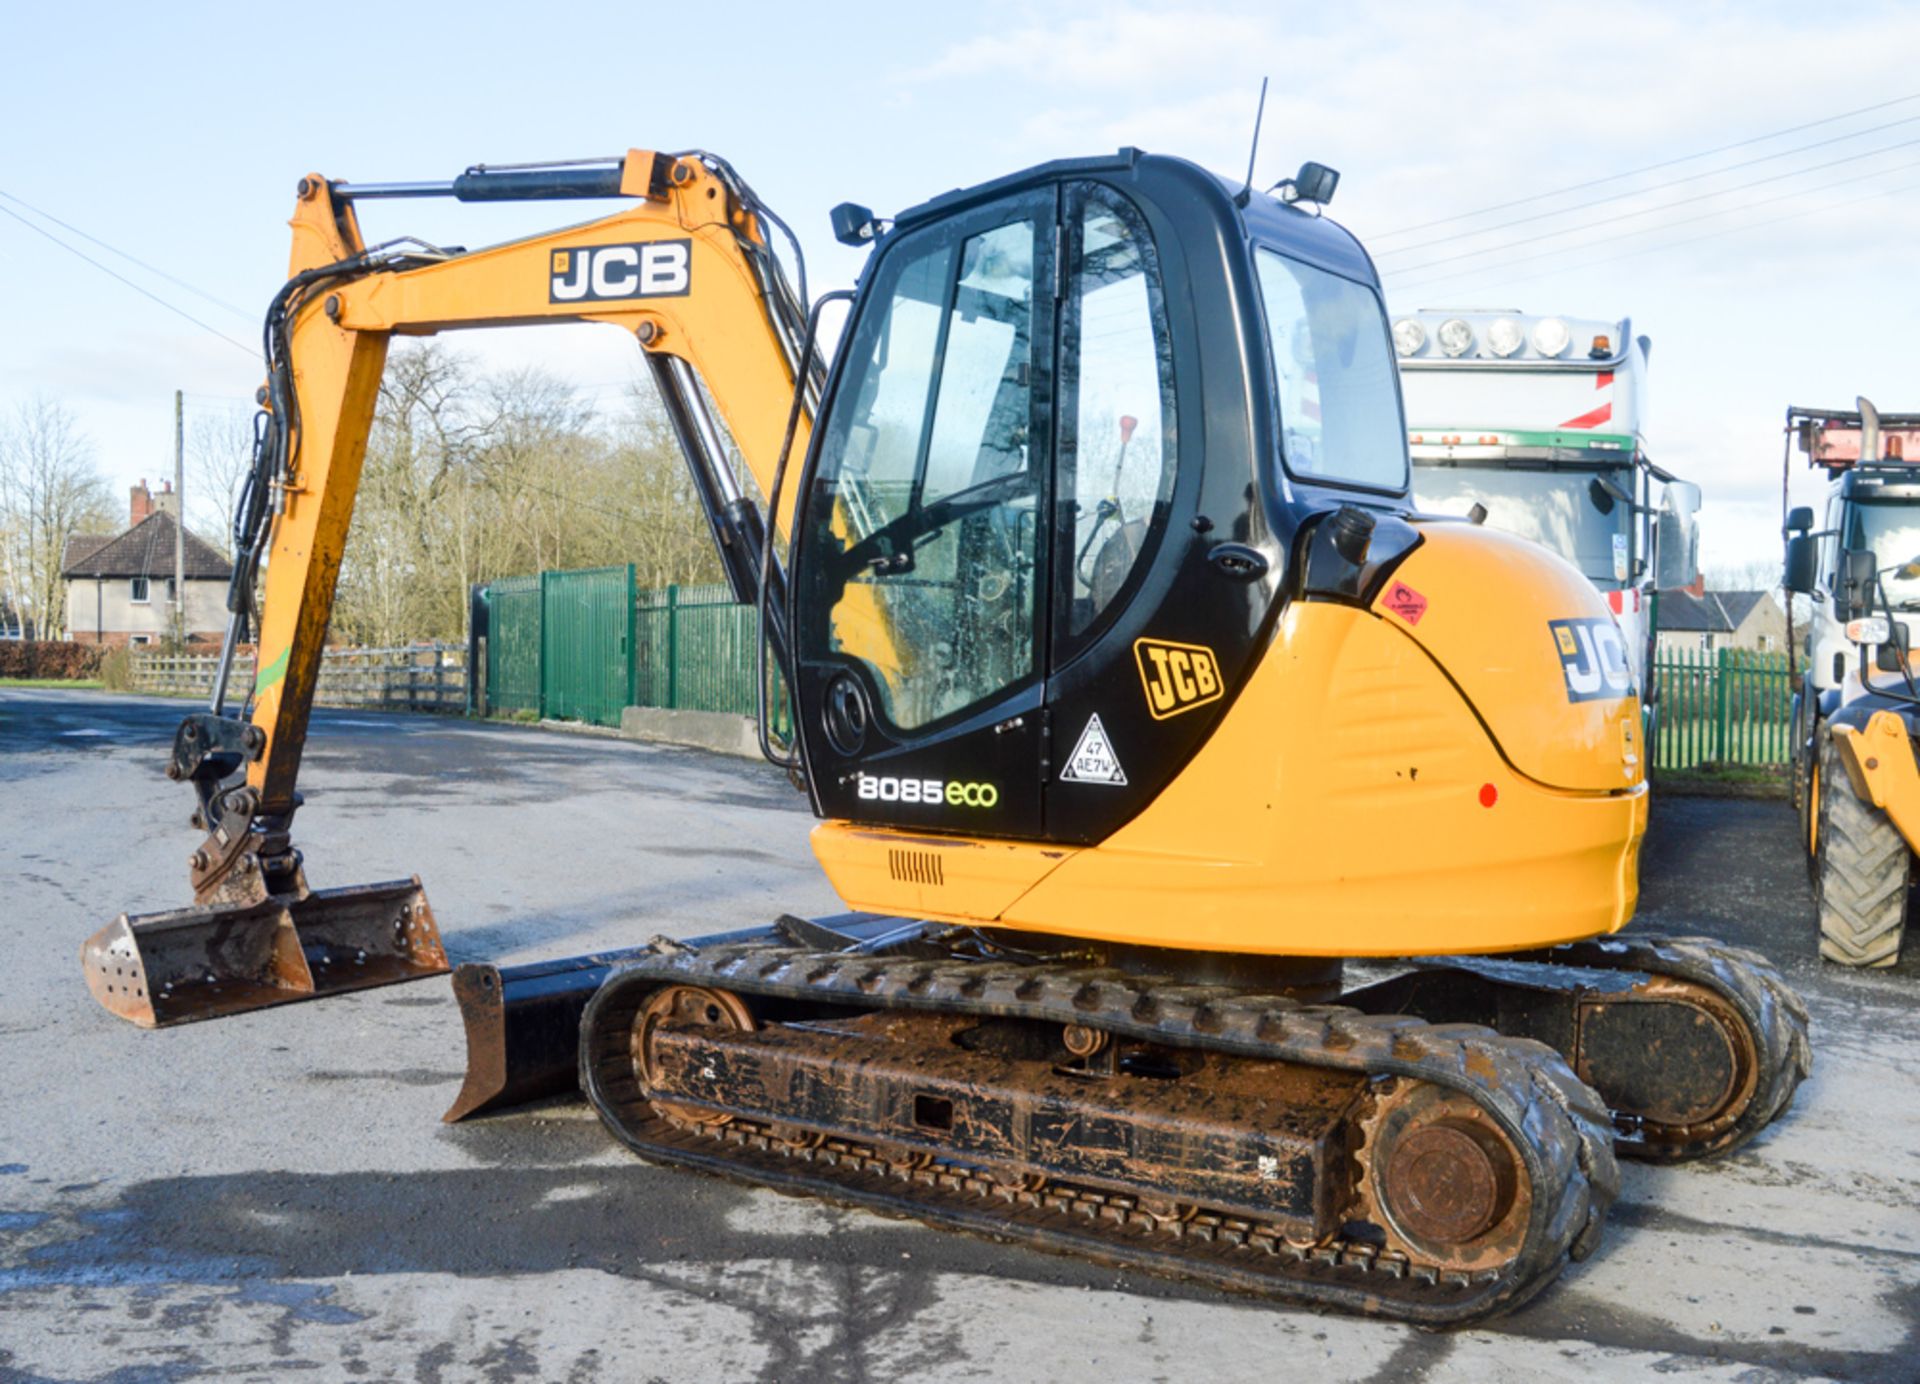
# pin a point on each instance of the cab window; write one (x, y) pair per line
(1117, 445)
(1333, 369)
(927, 501)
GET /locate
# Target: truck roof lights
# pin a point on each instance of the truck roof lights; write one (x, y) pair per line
(1455, 336)
(1602, 347)
(1505, 336)
(1550, 336)
(1408, 336)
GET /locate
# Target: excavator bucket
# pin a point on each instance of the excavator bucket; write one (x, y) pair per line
(202, 962)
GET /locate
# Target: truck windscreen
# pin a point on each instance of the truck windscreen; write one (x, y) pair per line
(1891, 529)
(1555, 509)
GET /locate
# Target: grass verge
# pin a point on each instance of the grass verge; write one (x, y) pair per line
(1724, 781)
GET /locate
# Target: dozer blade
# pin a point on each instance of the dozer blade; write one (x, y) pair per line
(523, 1022)
(202, 962)
(523, 1028)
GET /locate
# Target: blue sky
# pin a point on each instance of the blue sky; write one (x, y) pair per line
(178, 133)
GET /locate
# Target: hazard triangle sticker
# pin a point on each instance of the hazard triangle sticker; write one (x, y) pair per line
(1093, 759)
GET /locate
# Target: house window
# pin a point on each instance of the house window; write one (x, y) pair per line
(1766, 643)
(141, 638)
(137, 592)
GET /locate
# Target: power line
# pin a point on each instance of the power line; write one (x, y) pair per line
(1710, 235)
(137, 288)
(1647, 168)
(1795, 195)
(1657, 187)
(151, 269)
(1648, 211)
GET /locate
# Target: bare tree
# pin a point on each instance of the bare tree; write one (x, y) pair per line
(49, 492)
(219, 454)
(1754, 574)
(471, 476)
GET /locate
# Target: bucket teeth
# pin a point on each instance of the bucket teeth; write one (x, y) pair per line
(202, 962)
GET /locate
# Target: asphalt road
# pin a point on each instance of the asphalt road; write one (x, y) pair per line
(272, 1196)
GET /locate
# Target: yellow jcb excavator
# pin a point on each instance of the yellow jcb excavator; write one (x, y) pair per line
(1134, 696)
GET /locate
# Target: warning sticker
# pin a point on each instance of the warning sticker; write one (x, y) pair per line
(1405, 602)
(1093, 759)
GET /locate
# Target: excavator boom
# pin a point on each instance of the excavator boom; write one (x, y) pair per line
(686, 270)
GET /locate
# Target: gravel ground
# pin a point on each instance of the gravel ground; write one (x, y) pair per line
(272, 1196)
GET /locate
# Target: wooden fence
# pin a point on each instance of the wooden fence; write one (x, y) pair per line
(420, 677)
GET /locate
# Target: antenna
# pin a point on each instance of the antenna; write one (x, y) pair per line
(1245, 194)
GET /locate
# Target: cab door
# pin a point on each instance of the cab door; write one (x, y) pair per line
(1133, 654)
(920, 568)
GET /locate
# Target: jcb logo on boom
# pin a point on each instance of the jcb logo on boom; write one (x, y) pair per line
(1593, 658)
(1177, 677)
(929, 792)
(604, 273)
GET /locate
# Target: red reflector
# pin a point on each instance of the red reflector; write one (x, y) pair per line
(1489, 795)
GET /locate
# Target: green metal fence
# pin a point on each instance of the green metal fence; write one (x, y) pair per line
(1728, 706)
(583, 645)
(513, 644)
(586, 629)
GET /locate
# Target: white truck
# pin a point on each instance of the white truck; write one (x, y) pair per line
(1534, 425)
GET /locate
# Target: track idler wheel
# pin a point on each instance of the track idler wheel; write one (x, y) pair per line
(689, 1006)
(1444, 1183)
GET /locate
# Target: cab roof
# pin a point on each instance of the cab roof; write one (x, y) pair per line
(1316, 239)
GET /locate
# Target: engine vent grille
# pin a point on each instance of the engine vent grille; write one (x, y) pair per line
(915, 867)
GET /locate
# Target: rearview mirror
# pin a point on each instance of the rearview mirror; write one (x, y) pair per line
(1605, 493)
(1892, 655)
(1677, 536)
(1803, 563)
(1858, 568)
(1799, 519)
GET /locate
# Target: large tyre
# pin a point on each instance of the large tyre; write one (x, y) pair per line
(1862, 870)
(1806, 785)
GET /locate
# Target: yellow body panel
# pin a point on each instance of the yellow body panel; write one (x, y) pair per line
(954, 879)
(1880, 764)
(1352, 802)
(1494, 641)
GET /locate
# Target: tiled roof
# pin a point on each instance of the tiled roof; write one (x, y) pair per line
(145, 550)
(1718, 612)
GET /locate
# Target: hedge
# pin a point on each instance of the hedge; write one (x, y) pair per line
(46, 658)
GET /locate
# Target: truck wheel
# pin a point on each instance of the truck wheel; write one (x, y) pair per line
(1806, 793)
(1862, 869)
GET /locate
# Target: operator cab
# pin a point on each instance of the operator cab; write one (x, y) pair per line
(1047, 522)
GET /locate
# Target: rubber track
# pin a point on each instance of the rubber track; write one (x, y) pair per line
(1556, 1121)
(1774, 1014)
(1862, 871)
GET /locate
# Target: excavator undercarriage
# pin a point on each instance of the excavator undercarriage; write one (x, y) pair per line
(1436, 1171)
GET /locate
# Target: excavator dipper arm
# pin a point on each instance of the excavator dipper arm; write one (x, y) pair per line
(686, 268)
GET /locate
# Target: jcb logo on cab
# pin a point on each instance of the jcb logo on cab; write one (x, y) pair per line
(604, 273)
(1177, 677)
